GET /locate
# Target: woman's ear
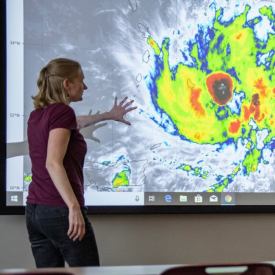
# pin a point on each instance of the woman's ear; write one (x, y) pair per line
(65, 84)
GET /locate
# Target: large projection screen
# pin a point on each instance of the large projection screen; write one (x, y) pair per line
(202, 76)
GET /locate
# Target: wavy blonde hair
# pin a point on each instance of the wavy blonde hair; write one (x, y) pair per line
(50, 82)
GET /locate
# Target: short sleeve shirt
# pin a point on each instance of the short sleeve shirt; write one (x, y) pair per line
(41, 121)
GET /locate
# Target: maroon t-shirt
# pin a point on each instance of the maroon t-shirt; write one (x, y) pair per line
(41, 121)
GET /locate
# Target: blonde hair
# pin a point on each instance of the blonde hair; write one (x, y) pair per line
(50, 82)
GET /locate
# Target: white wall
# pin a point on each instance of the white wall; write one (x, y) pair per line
(159, 239)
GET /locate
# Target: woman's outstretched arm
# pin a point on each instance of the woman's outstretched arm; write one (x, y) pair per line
(116, 113)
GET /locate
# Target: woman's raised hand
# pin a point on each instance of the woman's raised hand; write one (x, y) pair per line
(120, 109)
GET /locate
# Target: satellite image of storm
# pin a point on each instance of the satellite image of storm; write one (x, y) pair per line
(201, 73)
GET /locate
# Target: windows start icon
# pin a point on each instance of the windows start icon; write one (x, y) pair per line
(14, 198)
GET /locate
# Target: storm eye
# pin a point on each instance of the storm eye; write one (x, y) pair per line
(222, 90)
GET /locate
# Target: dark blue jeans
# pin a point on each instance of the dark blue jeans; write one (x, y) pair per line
(51, 247)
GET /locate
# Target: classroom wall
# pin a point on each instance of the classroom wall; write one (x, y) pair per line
(159, 239)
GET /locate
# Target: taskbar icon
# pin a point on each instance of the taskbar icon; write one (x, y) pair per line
(228, 198)
(198, 198)
(213, 198)
(183, 198)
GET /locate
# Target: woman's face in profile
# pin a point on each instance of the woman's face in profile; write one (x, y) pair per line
(76, 88)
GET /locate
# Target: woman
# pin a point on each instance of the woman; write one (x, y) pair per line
(57, 223)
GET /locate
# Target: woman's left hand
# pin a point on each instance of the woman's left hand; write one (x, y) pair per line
(119, 110)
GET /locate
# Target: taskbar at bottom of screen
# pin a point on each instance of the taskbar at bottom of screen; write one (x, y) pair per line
(161, 198)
